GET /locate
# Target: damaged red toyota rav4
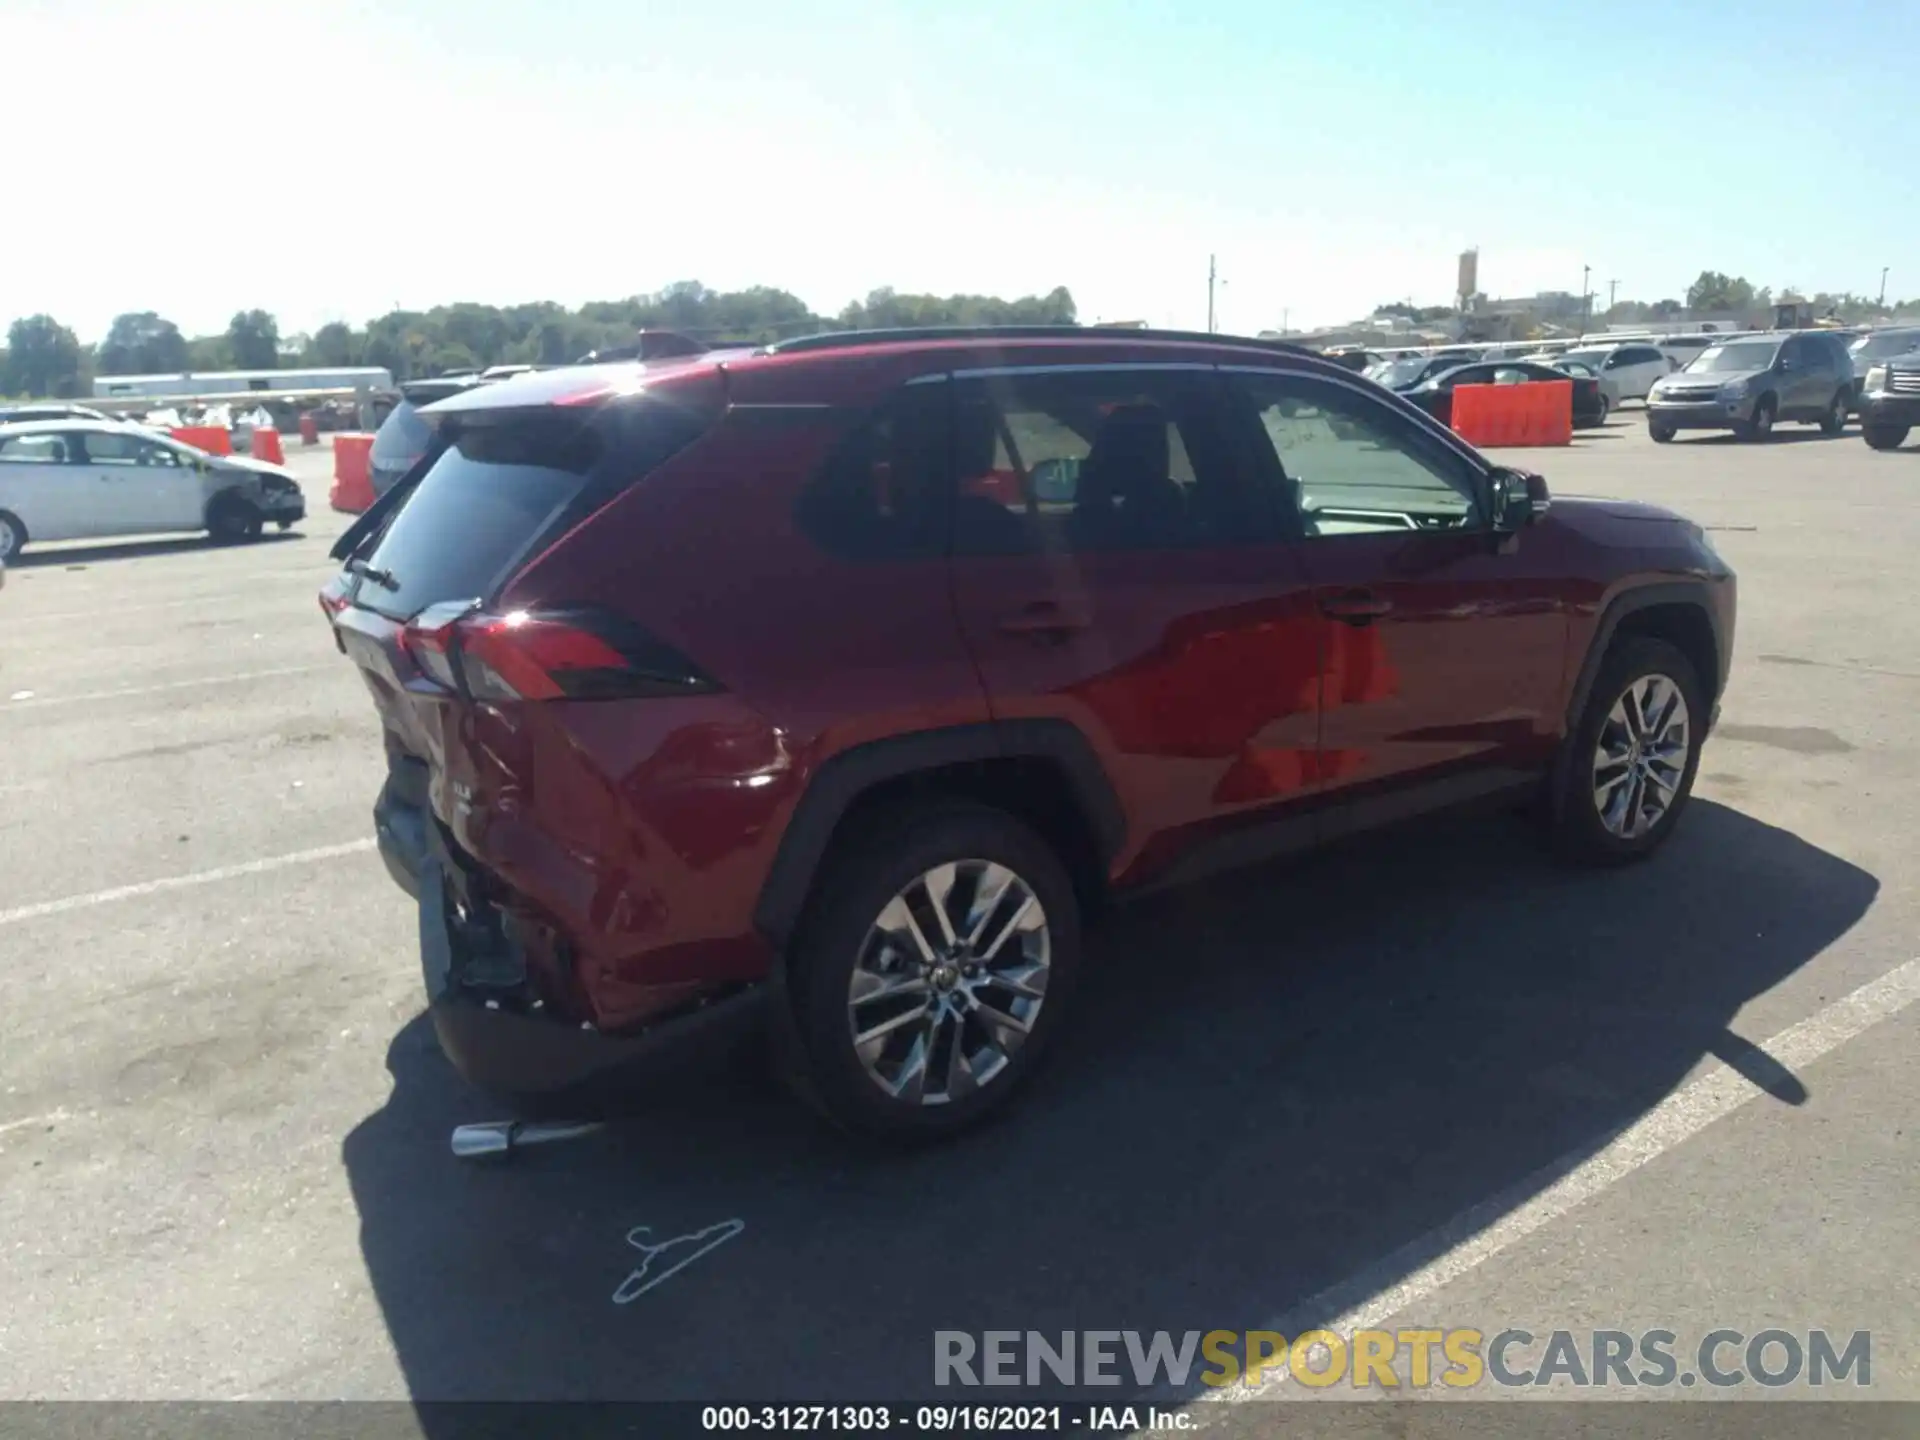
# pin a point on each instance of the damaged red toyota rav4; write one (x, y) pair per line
(827, 688)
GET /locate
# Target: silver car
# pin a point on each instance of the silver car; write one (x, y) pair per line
(1746, 385)
(87, 480)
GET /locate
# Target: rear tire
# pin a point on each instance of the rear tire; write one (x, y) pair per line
(1834, 422)
(1606, 409)
(1886, 437)
(1623, 777)
(13, 537)
(1661, 431)
(862, 933)
(231, 522)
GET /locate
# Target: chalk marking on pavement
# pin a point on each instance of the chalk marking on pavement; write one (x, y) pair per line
(38, 700)
(642, 1280)
(52, 1117)
(1373, 1295)
(181, 882)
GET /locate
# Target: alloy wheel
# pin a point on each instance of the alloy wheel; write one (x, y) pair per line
(1641, 756)
(949, 982)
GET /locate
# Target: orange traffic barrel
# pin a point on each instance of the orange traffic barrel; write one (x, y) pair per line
(352, 473)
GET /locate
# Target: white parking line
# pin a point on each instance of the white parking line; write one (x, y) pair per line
(111, 611)
(180, 882)
(36, 701)
(1417, 1269)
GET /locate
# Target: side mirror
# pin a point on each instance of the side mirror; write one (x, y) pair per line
(1515, 499)
(1056, 481)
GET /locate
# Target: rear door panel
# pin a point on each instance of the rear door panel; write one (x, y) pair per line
(1181, 642)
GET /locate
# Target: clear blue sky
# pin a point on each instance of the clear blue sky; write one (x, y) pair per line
(1333, 156)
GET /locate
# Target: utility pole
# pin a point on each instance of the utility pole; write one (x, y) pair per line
(1882, 303)
(1586, 300)
(1613, 288)
(1210, 279)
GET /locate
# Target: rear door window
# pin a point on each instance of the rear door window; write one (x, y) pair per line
(38, 448)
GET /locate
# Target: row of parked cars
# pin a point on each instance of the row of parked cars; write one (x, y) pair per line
(1741, 382)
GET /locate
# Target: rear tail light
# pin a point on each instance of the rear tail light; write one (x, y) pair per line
(535, 655)
(333, 597)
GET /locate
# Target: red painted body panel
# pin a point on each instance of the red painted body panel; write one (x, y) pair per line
(1195, 679)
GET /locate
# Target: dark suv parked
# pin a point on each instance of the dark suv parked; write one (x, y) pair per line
(831, 686)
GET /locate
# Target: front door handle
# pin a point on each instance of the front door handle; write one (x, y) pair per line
(1045, 620)
(1355, 607)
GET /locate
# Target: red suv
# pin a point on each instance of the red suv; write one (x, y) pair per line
(830, 686)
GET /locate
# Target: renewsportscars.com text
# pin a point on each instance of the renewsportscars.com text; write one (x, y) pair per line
(1415, 1359)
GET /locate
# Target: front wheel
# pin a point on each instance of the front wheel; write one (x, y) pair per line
(1835, 420)
(1885, 437)
(1627, 770)
(13, 537)
(931, 972)
(234, 521)
(1760, 427)
(1661, 430)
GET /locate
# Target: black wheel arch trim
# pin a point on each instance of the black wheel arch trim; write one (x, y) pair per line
(845, 777)
(1696, 593)
(240, 492)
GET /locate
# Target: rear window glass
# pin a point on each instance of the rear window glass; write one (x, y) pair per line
(475, 514)
(402, 437)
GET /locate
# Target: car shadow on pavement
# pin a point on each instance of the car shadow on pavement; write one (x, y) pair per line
(78, 557)
(1777, 437)
(1275, 1081)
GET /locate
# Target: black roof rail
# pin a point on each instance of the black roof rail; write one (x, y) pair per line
(846, 339)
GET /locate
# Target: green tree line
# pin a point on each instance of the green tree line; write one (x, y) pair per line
(45, 357)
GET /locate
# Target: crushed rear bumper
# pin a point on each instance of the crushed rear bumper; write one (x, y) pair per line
(490, 1024)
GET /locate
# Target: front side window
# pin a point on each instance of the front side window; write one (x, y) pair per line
(1345, 464)
(105, 447)
(1091, 460)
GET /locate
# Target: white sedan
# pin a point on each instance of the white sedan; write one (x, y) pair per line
(88, 480)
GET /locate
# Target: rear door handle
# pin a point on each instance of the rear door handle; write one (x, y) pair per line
(1355, 607)
(1045, 619)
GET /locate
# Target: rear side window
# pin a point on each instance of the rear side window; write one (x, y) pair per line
(402, 437)
(884, 492)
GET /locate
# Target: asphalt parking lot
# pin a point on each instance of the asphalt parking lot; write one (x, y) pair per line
(1357, 1088)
